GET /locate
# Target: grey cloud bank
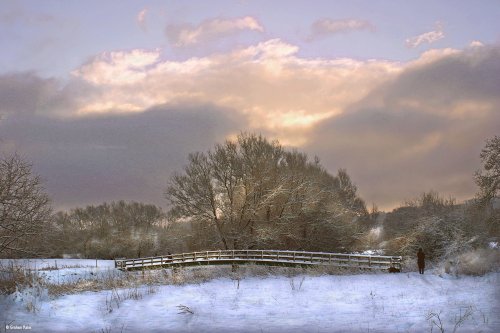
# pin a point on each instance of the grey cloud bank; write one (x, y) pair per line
(421, 130)
(94, 159)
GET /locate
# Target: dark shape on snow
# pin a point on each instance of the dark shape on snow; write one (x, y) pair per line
(421, 261)
(393, 269)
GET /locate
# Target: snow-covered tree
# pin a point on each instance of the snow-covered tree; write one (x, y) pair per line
(24, 207)
(254, 193)
(488, 179)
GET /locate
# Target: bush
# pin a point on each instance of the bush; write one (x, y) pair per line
(14, 278)
(478, 262)
(474, 262)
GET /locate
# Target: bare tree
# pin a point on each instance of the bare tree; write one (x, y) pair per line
(488, 180)
(254, 193)
(24, 207)
(109, 230)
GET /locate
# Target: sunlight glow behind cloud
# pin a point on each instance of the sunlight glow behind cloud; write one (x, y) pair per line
(267, 82)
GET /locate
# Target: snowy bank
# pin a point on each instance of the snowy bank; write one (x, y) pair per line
(330, 303)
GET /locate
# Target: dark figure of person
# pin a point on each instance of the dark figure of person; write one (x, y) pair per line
(421, 261)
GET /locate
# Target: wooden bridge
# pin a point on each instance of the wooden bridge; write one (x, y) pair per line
(263, 257)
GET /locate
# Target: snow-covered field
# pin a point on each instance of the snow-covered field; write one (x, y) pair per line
(328, 303)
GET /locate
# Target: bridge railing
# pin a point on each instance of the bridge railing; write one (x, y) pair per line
(263, 257)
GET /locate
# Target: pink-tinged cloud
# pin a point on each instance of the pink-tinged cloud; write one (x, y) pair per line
(120, 67)
(427, 37)
(325, 27)
(185, 35)
(141, 18)
(269, 83)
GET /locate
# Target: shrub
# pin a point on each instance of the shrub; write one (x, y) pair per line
(14, 278)
(478, 262)
(474, 262)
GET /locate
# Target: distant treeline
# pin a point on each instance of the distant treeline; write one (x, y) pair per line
(249, 193)
(130, 229)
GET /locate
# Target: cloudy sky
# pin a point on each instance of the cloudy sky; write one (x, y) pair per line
(107, 98)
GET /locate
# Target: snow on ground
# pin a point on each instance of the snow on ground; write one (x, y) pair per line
(58, 263)
(329, 303)
(65, 270)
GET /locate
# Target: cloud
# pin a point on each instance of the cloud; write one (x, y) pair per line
(24, 93)
(127, 117)
(325, 27)
(422, 130)
(186, 35)
(88, 160)
(121, 67)
(268, 83)
(27, 93)
(141, 19)
(428, 37)
(17, 14)
(476, 43)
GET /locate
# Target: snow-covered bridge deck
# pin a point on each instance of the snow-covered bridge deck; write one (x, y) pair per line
(262, 257)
